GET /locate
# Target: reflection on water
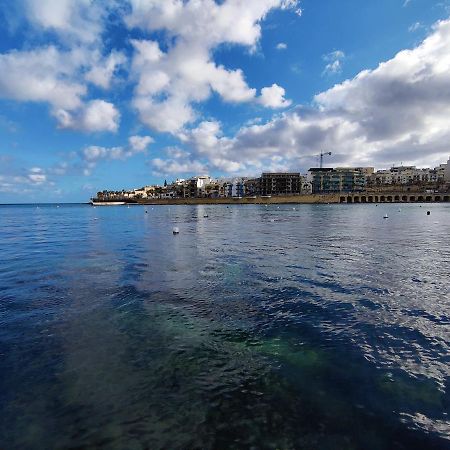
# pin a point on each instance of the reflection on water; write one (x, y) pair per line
(323, 327)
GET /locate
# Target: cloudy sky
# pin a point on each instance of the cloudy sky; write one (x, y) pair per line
(117, 94)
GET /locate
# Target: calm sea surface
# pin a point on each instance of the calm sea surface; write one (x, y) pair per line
(319, 327)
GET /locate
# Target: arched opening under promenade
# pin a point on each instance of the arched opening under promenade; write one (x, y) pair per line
(446, 198)
(382, 198)
(412, 198)
(377, 199)
(342, 200)
(420, 198)
(397, 198)
(356, 199)
(389, 198)
(349, 199)
(404, 198)
(370, 199)
(363, 199)
(437, 198)
(429, 198)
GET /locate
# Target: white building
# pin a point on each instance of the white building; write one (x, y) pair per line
(447, 171)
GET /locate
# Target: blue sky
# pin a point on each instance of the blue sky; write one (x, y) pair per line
(120, 94)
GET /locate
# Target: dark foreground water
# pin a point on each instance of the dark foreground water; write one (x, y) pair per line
(323, 327)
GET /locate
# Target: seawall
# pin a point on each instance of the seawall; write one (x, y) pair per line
(294, 199)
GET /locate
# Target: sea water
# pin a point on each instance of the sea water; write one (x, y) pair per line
(323, 327)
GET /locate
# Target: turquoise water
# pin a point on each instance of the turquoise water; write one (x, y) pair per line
(323, 327)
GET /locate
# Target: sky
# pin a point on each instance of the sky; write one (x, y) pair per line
(118, 94)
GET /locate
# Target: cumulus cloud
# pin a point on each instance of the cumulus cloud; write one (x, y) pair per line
(169, 82)
(94, 116)
(396, 112)
(273, 97)
(78, 20)
(102, 72)
(139, 143)
(61, 73)
(281, 46)
(42, 75)
(90, 156)
(19, 180)
(172, 166)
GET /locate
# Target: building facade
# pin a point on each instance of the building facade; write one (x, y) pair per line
(329, 180)
(281, 183)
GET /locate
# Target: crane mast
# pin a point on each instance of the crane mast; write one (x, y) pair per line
(322, 154)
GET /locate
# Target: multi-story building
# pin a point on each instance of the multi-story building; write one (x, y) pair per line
(447, 171)
(252, 187)
(329, 180)
(281, 183)
(408, 175)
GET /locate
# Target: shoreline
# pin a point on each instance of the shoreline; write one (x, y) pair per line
(350, 198)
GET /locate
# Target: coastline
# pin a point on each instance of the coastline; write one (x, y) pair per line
(348, 198)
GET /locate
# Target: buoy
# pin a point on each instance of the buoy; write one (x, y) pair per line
(428, 213)
(385, 216)
(146, 212)
(205, 216)
(175, 230)
(293, 209)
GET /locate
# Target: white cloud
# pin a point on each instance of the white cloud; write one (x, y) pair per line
(281, 46)
(60, 74)
(273, 97)
(78, 20)
(170, 82)
(92, 155)
(396, 112)
(139, 143)
(414, 27)
(95, 116)
(334, 62)
(42, 75)
(172, 167)
(14, 180)
(102, 72)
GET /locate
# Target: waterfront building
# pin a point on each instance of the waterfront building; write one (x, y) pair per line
(406, 175)
(140, 193)
(306, 185)
(329, 180)
(252, 187)
(447, 171)
(281, 183)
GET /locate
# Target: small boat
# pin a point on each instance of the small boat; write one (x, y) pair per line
(107, 203)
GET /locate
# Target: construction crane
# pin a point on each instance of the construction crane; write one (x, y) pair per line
(322, 154)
